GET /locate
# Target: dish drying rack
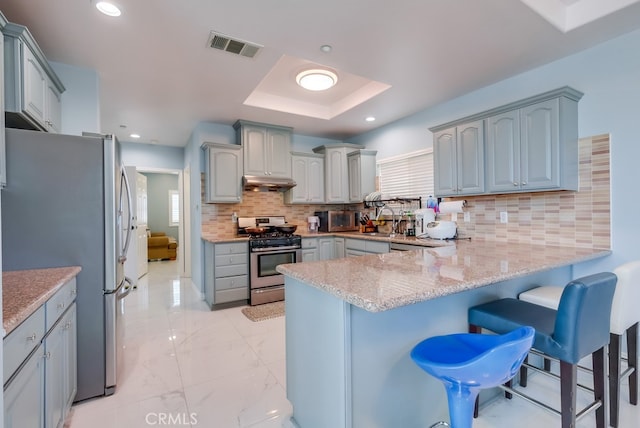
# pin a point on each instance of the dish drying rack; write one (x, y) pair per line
(401, 206)
(414, 203)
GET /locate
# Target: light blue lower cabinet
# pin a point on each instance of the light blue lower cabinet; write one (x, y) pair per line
(226, 273)
(361, 247)
(25, 394)
(60, 369)
(39, 391)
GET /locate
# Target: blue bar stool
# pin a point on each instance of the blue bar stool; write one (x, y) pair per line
(624, 321)
(466, 363)
(578, 328)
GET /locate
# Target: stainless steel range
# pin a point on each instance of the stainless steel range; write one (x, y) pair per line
(268, 248)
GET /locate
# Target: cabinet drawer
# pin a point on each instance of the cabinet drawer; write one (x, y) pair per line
(241, 281)
(232, 295)
(234, 270)
(232, 259)
(309, 243)
(234, 248)
(21, 341)
(60, 301)
(356, 244)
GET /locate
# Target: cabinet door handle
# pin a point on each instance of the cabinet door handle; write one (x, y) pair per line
(61, 305)
(67, 325)
(47, 355)
(33, 337)
(231, 260)
(515, 183)
(524, 183)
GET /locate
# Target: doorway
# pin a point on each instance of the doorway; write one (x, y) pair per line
(168, 211)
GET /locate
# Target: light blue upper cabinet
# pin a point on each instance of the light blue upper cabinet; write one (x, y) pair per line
(459, 160)
(3, 160)
(307, 171)
(531, 145)
(33, 92)
(266, 149)
(223, 173)
(534, 148)
(361, 166)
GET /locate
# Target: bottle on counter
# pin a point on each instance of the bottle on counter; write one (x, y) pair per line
(410, 225)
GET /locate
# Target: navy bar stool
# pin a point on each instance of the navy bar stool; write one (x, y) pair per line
(624, 321)
(578, 328)
(466, 363)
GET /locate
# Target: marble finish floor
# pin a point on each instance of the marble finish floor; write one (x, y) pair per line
(186, 366)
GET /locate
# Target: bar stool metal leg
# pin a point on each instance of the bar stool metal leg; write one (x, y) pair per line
(632, 354)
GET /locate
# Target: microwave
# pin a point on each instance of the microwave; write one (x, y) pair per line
(338, 221)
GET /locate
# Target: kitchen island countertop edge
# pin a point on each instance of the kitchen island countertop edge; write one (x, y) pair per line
(382, 282)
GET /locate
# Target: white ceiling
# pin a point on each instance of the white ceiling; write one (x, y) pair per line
(159, 78)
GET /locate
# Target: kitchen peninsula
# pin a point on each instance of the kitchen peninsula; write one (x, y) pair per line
(352, 322)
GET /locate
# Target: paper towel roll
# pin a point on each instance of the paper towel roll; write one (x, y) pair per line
(452, 207)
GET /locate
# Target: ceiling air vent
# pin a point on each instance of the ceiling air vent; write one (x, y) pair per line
(235, 46)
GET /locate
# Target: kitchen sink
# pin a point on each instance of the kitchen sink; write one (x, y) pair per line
(381, 235)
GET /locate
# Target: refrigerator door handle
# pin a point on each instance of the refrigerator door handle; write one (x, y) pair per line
(125, 181)
(127, 288)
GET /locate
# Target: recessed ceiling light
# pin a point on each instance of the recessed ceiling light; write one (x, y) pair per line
(134, 135)
(370, 118)
(316, 79)
(108, 8)
(326, 48)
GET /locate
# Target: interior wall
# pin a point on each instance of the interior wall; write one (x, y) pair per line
(152, 156)
(80, 100)
(158, 186)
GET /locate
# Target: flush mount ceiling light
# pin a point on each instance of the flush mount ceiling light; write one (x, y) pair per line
(370, 119)
(108, 8)
(134, 135)
(316, 79)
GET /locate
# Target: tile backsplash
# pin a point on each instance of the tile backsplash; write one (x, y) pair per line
(568, 218)
(216, 218)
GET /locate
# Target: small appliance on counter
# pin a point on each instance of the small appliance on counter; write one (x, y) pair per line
(424, 216)
(338, 221)
(441, 229)
(313, 223)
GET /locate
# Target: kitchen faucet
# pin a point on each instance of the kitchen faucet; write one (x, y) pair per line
(393, 220)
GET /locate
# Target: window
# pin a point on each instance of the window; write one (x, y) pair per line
(174, 208)
(407, 176)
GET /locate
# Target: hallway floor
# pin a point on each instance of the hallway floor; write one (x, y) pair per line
(187, 366)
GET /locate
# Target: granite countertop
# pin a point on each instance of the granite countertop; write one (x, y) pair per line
(381, 282)
(24, 291)
(217, 239)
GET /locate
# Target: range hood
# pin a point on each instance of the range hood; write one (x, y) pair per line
(267, 184)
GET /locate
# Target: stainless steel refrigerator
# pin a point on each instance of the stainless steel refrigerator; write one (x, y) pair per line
(63, 206)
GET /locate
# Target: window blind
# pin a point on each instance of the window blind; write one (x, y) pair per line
(174, 208)
(407, 176)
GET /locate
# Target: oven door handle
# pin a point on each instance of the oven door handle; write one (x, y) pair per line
(275, 250)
